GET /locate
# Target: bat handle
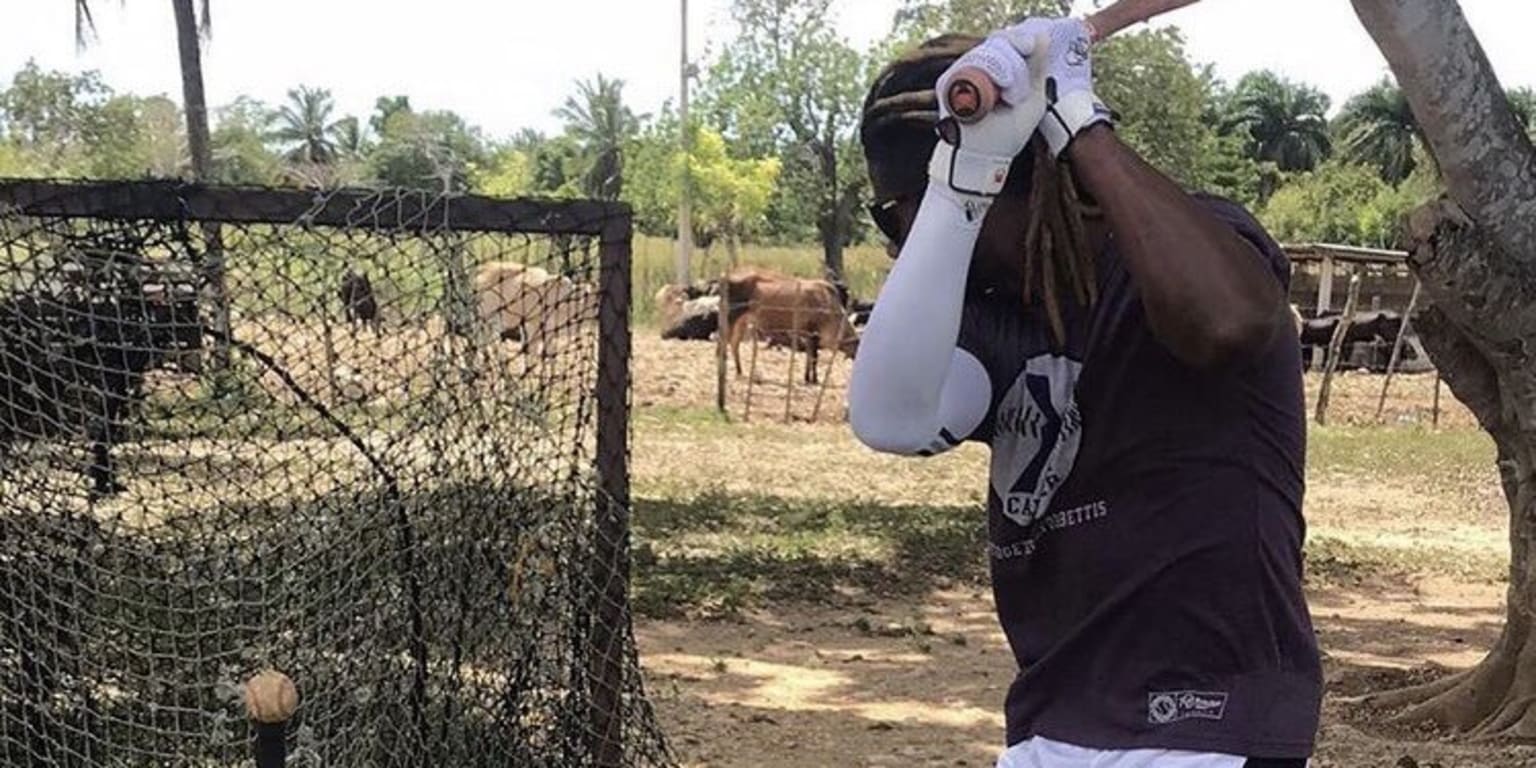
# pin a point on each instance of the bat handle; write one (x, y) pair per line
(971, 95)
(271, 750)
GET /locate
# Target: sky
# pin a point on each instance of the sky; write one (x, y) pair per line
(507, 64)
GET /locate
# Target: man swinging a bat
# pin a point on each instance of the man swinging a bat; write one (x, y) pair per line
(1121, 346)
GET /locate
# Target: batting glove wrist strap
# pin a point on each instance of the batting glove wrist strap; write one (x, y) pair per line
(1071, 115)
(968, 173)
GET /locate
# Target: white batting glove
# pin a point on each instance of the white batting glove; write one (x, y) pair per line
(971, 160)
(1073, 106)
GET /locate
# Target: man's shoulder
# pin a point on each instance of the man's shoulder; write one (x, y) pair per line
(1250, 228)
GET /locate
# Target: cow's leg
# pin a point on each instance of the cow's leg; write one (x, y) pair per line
(736, 330)
(102, 473)
(812, 346)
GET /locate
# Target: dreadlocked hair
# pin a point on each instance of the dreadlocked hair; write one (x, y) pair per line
(897, 132)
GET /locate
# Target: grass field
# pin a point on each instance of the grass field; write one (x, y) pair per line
(655, 265)
(806, 602)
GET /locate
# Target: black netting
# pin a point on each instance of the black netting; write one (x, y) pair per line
(375, 441)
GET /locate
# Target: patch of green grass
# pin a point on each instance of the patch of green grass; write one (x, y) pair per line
(1335, 559)
(718, 553)
(661, 416)
(1405, 451)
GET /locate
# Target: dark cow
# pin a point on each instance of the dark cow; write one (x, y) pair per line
(692, 313)
(357, 300)
(1379, 328)
(859, 312)
(74, 362)
(1382, 325)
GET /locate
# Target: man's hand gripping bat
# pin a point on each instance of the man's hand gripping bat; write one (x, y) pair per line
(971, 94)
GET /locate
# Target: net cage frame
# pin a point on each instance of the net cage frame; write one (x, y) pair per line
(613, 665)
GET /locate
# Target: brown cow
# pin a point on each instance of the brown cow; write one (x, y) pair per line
(798, 313)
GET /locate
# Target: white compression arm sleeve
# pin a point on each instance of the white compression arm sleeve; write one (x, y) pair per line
(913, 392)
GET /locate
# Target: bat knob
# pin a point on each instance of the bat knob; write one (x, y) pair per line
(970, 95)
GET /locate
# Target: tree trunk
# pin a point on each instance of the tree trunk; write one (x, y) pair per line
(192, 89)
(1491, 373)
(214, 283)
(832, 252)
(1473, 254)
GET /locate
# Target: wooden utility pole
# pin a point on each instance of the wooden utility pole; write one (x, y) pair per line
(685, 200)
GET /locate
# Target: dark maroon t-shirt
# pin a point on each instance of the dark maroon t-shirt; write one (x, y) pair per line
(1146, 530)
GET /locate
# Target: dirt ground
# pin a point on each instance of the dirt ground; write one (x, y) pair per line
(1405, 582)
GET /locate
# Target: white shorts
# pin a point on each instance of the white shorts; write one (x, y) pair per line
(1044, 753)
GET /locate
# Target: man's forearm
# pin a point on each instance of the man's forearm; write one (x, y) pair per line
(1208, 295)
(905, 351)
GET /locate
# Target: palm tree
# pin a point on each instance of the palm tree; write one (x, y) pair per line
(597, 118)
(304, 125)
(350, 139)
(188, 30)
(1284, 122)
(1378, 129)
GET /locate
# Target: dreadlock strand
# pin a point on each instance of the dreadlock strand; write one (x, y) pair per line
(1082, 255)
(1034, 248)
(1057, 209)
(1048, 287)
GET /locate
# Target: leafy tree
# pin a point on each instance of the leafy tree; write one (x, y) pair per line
(240, 151)
(1224, 168)
(555, 162)
(351, 141)
(1345, 203)
(1377, 128)
(1284, 122)
(508, 173)
(918, 20)
(305, 128)
(113, 142)
(1523, 101)
(598, 120)
(1161, 98)
(652, 171)
(73, 125)
(386, 107)
(54, 115)
(427, 150)
(790, 85)
(14, 162)
(731, 196)
(163, 140)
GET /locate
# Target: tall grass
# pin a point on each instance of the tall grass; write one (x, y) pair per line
(655, 264)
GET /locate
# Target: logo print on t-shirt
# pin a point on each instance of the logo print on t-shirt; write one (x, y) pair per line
(1167, 707)
(1037, 434)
